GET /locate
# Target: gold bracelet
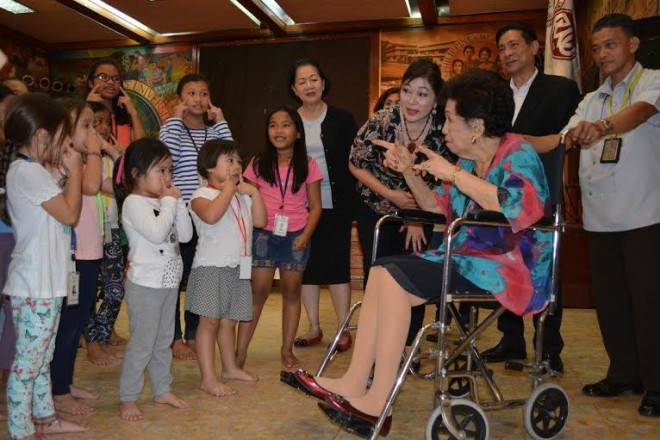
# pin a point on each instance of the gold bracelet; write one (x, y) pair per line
(453, 175)
(95, 153)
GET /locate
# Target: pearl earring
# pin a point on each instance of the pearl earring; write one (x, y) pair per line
(473, 140)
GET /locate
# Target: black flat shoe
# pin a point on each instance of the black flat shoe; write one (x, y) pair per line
(353, 420)
(650, 404)
(502, 353)
(605, 388)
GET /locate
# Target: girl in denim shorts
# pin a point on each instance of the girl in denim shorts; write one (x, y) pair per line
(289, 183)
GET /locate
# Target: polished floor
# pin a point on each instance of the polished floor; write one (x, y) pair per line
(268, 409)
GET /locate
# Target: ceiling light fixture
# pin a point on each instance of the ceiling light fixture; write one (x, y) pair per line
(254, 19)
(15, 7)
(413, 9)
(114, 14)
(278, 11)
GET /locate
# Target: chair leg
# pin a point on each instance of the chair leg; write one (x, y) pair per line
(332, 348)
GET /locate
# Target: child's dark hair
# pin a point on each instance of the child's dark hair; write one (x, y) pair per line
(98, 107)
(266, 163)
(191, 77)
(208, 155)
(121, 114)
(5, 91)
(25, 116)
(140, 156)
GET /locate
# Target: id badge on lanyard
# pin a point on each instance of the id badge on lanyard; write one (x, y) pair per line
(245, 260)
(73, 280)
(281, 226)
(612, 144)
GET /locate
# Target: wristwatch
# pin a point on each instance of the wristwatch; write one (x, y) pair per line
(607, 125)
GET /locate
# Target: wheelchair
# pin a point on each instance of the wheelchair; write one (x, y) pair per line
(460, 410)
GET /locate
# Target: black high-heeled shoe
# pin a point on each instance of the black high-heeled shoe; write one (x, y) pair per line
(352, 419)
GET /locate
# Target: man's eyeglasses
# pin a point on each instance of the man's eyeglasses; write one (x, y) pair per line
(105, 78)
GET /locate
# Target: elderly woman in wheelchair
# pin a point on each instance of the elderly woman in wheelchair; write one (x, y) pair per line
(497, 171)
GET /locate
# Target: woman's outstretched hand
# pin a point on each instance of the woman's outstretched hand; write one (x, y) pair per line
(397, 156)
(436, 165)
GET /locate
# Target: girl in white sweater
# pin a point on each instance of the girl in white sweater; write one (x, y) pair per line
(155, 220)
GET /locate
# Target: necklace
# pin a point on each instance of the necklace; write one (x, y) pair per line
(411, 145)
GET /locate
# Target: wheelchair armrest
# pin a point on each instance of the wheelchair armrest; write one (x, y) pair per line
(493, 216)
(545, 221)
(486, 216)
(413, 215)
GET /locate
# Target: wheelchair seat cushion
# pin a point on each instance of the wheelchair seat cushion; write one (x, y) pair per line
(423, 278)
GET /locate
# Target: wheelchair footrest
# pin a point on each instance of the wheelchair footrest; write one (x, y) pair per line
(512, 365)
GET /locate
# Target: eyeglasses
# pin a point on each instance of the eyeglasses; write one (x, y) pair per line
(105, 78)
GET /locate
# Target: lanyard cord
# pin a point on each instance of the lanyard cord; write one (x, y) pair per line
(240, 222)
(238, 216)
(286, 182)
(626, 96)
(206, 134)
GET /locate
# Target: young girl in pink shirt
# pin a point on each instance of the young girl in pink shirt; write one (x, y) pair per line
(289, 183)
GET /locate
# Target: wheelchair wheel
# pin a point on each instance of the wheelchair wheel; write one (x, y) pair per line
(467, 416)
(458, 386)
(546, 412)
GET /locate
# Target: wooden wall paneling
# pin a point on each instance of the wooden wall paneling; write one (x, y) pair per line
(249, 79)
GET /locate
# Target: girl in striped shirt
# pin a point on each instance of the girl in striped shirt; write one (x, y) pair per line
(184, 134)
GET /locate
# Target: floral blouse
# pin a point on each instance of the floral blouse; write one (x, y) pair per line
(386, 125)
(513, 264)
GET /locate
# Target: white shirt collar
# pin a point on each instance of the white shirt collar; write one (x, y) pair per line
(526, 84)
(606, 87)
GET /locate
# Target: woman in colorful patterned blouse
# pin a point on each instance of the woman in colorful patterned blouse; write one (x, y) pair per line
(497, 171)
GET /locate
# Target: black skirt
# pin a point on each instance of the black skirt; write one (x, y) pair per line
(330, 253)
(423, 278)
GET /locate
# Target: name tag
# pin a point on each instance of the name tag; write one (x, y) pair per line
(281, 225)
(73, 289)
(611, 150)
(245, 264)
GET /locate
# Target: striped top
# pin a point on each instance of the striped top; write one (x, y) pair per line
(184, 144)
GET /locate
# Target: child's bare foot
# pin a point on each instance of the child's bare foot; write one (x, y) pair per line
(238, 374)
(67, 404)
(115, 339)
(170, 398)
(115, 353)
(83, 393)
(216, 388)
(130, 411)
(290, 362)
(60, 426)
(181, 351)
(98, 356)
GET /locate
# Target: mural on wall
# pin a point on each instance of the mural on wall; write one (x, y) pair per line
(151, 74)
(27, 64)
(454, 48)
